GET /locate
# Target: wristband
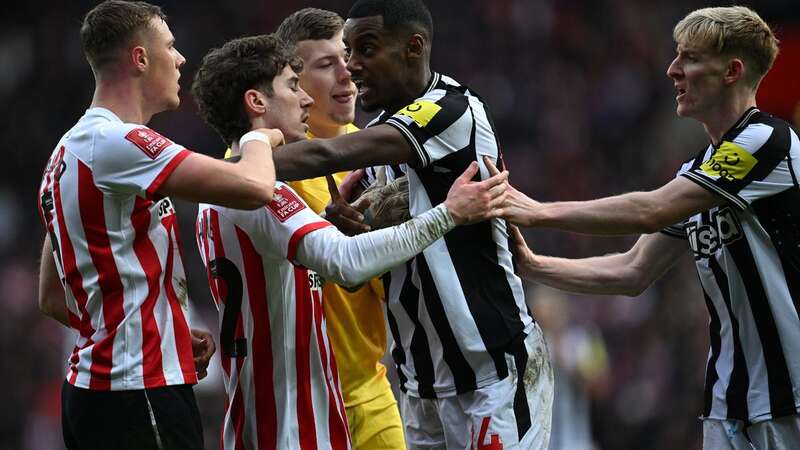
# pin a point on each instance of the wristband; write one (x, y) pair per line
(254, 136)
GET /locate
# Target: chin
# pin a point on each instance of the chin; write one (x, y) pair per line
(368, 106)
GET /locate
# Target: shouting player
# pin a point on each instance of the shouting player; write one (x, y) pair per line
(737, 202)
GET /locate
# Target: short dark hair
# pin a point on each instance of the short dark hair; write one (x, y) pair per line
(111, 25)
(397, 14)
(226, 73)
(309, 23)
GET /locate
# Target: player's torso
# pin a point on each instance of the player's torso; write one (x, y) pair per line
(279, 369)
(119, 259)
(462, 290)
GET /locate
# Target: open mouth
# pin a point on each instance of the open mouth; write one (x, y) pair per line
(344, 97)
(360, 86)
(681, 93)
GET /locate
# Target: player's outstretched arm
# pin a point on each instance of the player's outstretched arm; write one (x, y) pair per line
(52, 300)
(381, 144)
(631, 213)
(628, 273)
(352, 260)
(246, 184)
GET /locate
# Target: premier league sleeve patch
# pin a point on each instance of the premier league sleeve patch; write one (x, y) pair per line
(421, 111)
(148, 141)
(730, 162)
(285, 204)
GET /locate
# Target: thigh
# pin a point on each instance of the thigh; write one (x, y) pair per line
(724, 435)
(421, 422)
(173, 411)
(782, 433)
(376, 424)
(106, 419)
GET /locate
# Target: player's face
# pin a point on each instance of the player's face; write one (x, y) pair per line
(164, 62)
(699, 80)
(326, 79)
(376, 63)
(287, 108)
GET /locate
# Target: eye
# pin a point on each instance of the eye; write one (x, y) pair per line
(347, 52)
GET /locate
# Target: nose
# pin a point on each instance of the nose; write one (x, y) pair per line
(674, 70)
(353, 65)
(179, 59)
(305, 100)
(342, 74)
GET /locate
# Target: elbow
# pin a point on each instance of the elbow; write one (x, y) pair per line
(257, 196)
(634, 284)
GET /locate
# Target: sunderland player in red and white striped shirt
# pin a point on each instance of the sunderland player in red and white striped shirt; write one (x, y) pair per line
(266, 267)
(111, 264)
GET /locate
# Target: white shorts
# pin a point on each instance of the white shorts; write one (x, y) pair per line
(513, 413)
(782, 433)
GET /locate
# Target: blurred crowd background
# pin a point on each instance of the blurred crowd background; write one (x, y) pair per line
(583, 108)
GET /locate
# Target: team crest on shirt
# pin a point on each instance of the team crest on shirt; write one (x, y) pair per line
(285, 204)
(730, 161)
(422, 111)
(148, 141)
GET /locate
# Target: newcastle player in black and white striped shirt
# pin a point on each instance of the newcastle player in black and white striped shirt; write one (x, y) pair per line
(472, 361)
(738, 204)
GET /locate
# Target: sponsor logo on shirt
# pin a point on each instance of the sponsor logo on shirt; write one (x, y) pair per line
(148, 141)
(285, 204)
(421, 111)
(705, 239)
(164, 208)
(315, 281)
(730, 161)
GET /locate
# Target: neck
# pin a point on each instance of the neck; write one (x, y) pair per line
(325, 129)
(122, 97)
(720, 120)
(418, 81)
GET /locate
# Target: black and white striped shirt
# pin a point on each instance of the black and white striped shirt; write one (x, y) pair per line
(748, 255)
(456, 310)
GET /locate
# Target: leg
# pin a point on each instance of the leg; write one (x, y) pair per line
(376, 424)
(423, 428)
(177, 419)
(724, 435)
(782, 433)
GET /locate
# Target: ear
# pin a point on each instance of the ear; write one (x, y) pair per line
(255, 103)
(415, 46)
(138, 57)
(734, 72)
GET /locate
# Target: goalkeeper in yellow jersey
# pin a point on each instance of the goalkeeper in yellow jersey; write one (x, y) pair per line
(355, 320)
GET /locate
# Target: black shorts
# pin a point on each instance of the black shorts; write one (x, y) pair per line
(164, 418)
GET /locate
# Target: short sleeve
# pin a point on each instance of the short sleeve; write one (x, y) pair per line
(278, 227)
(436, 125)
(751, 166)
(131, 159)
(677, 231)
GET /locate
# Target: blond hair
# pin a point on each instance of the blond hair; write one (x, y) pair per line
(735, 31)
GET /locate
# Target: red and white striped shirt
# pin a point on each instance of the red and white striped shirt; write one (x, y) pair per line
(279, 369)
(117, 250)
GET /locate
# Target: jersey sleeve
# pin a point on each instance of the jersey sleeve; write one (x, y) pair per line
(436, 125)
(282, 223)
(131, 159)
(753, 165)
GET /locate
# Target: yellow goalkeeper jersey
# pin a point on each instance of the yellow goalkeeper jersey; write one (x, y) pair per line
(355, 320)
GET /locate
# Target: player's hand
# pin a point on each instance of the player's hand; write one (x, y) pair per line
(517, 207)
(350, 187)
(472, 201)
(524, 258)
(349, 219)
(275, 136)
(203, 348)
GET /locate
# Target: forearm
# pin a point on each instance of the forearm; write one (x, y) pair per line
(354, 260)
(52, 299)
(632, 213)
(609, 274)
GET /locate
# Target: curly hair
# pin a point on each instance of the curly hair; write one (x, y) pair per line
(226, 73)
